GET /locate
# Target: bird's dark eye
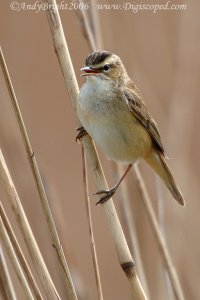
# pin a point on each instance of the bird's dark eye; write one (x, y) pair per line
(106, 67)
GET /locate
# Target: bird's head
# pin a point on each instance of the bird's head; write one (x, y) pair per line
(106, 66)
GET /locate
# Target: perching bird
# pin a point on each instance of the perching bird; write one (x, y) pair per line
(112, 111)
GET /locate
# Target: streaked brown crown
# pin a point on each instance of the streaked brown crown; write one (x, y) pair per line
(97, 57)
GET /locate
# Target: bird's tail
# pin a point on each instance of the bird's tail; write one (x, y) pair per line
(158, 163)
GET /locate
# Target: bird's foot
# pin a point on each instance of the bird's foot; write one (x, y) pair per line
(107, 195)
(81, 133)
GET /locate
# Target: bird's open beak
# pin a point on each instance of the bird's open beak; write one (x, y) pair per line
(89, 71)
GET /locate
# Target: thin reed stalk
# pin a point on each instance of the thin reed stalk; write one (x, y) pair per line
(19, 254)
(91, 231)
(96, 25)
(86, 29)
(13, 198)
(131, 228)
(122, 249)
(38, 181)
(164, 253)
(13, 259)
(7, 287)
(83, 18)
(87, 32)
(160, 218)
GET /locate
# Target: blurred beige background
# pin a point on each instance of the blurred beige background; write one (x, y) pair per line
(161, 52)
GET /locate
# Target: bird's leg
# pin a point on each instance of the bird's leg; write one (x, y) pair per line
(81, 133)
(109, 193)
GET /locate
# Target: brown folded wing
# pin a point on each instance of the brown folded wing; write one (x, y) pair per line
(138, 108)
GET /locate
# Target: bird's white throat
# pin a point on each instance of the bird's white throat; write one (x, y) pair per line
(94, 88)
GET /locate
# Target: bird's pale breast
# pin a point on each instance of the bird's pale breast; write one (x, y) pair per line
(110, 123)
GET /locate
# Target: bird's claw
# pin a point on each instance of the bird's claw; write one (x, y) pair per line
(81, 133)
(107, 195)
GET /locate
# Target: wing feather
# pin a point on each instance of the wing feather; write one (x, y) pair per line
(138, 108)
